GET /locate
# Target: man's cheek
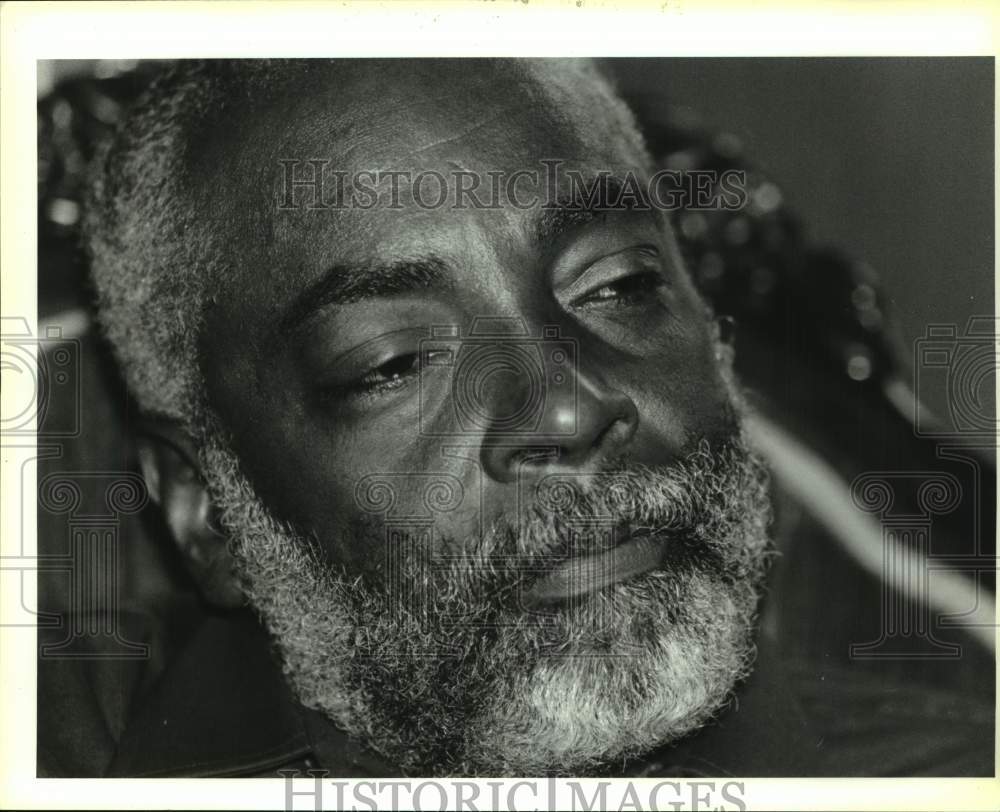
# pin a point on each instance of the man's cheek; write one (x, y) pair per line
(688, 401)
(402, 544)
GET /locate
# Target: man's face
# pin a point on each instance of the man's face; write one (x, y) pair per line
(490, 469)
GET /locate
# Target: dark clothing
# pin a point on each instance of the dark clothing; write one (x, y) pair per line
(223, 709)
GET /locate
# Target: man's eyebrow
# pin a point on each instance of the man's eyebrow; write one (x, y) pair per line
(345, 284)
(560, 218)
(598, 197)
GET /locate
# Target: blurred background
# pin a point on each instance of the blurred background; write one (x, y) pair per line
(890, 159)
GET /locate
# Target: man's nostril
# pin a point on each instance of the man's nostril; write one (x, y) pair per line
(538, 456)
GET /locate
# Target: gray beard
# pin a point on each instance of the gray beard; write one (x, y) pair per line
(444, 675)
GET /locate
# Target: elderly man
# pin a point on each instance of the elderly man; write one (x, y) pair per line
(426, 384)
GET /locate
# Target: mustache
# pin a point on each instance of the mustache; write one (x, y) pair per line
(687, 503)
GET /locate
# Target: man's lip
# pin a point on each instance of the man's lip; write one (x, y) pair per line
(579, 576)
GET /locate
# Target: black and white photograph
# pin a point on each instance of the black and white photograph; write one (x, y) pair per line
(618, 419)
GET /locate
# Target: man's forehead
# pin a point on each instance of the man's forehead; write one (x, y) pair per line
(386, 114)
(406, 116)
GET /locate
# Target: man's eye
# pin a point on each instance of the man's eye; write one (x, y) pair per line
(389, 375)
(631, 289)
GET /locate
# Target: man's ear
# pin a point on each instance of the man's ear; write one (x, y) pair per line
(169, 466)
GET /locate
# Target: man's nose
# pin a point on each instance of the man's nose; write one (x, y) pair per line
(580, 421)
